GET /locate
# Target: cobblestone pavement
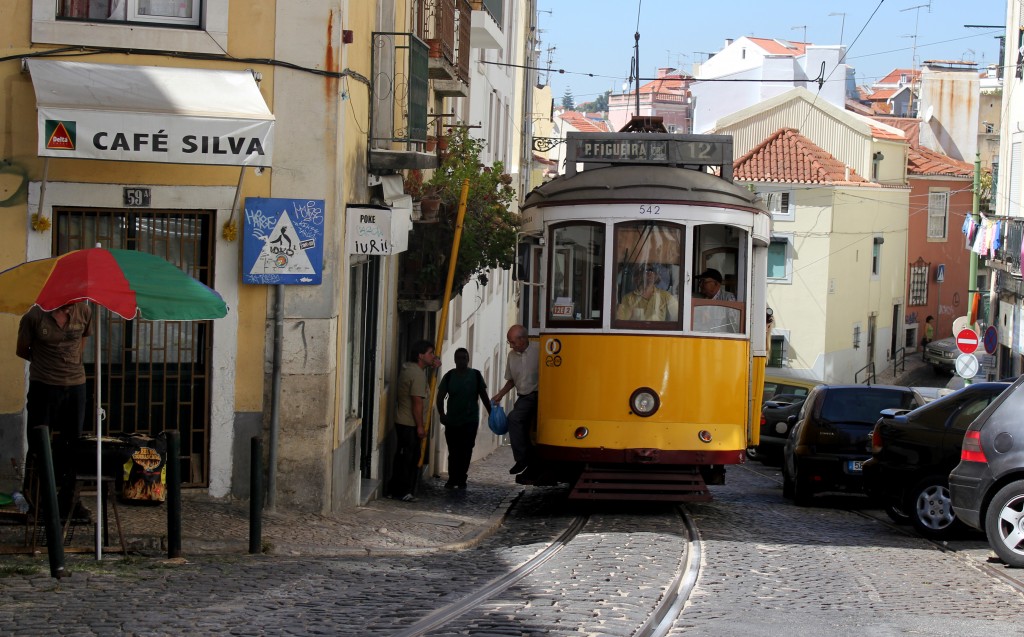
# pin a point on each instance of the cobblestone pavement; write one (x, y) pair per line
(438, 519)
(771, 568)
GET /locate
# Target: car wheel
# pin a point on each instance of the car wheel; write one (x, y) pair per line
(931, 510)
(801, 492)
(1004, 524)
(787, 483)
(897, 514)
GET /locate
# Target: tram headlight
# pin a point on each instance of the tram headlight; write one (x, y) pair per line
(644, 402)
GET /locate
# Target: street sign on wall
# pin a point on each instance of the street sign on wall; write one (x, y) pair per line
(283, 241)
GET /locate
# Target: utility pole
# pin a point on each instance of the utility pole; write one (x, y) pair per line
(974, 300)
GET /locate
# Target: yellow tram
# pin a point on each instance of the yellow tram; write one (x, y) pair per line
(645, 270)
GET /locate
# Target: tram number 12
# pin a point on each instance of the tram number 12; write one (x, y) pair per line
(650, 209)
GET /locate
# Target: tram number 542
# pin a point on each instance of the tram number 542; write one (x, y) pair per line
(650, 209)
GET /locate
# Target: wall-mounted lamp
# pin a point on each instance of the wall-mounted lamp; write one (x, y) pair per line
(878, 156)
(879, 241)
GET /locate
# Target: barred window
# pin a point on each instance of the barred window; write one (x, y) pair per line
(919, 283)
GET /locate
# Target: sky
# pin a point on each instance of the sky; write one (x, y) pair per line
(596, 37)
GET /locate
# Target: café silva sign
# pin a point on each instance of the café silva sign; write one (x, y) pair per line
(151, 114)
(143, 137)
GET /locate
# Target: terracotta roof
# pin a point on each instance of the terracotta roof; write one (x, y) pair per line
(883, 94)
(779, 47)
(675, 83)
(789, 157)
(584, 124)
(922, 161)
(894, 76)
(879, 132)
(856, 107)
(911, 127)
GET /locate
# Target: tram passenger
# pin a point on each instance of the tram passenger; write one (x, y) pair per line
(522, 370)
(648, 302)
(712, 318)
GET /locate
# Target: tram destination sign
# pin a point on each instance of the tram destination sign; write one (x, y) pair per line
(640, 148)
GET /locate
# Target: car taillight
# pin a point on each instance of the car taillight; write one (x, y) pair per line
(971, 450)
(764, 421)
(876, 441)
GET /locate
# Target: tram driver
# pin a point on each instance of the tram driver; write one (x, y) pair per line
(647, 301)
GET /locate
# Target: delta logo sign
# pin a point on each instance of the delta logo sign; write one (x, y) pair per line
(60, 135)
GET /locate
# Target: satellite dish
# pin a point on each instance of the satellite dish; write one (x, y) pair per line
(928, 114)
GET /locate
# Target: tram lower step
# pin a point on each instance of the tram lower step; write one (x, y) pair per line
(615, 482)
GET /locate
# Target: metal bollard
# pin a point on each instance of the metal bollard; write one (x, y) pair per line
(173, 493)
(48, 491)
(256, 495)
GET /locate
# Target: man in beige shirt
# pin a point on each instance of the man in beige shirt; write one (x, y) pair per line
(521, 372)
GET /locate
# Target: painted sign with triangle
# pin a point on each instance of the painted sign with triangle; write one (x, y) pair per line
(283, 241)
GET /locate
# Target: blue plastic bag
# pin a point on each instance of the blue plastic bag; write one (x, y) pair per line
(497, 421)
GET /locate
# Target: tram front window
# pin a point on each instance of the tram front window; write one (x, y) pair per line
(647, 275)
(576, 273)
(719, 279)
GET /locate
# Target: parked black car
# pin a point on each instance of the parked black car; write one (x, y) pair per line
(913, 452)
(831, 439)
(987, 486)
(775, 425)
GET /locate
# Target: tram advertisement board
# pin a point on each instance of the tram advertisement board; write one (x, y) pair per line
(283, 241)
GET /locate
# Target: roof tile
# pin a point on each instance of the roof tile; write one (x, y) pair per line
(789, 157)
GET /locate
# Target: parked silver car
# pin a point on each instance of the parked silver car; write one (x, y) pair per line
(941, 354)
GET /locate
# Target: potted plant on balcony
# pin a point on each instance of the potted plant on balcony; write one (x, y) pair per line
(490, 224)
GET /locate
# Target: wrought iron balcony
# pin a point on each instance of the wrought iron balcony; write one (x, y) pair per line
(446, 27)
(398, 103)
(1009, 252)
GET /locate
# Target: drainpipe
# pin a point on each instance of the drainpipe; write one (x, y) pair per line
(275, 397)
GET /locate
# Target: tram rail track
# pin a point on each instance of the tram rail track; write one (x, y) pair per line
(658, 622)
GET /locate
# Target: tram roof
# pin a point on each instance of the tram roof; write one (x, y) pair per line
(642, 183)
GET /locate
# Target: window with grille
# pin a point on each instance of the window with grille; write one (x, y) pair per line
(919, 283)
(777, 357)
(938, 213)
(780, 204)
(156, 374)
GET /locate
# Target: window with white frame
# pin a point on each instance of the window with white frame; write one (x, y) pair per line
(194, 26)
(777, 357)
(780, 259)
(938, 213)
(176, 12)
(781, 205)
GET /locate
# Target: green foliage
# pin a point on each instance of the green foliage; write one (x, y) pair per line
(491, 221)
(568, 103)
(600, 105)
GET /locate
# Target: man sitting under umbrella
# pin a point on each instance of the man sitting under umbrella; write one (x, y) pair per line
(53, 343)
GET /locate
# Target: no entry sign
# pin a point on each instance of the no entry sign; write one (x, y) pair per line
(967, 341)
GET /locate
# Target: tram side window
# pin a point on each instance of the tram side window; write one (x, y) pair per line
(720, 266)
(647, 268)
(575, 273)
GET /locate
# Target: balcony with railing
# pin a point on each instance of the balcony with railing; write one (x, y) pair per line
(449, 62)
(1009, 252)
(487, 24)
(398, 103)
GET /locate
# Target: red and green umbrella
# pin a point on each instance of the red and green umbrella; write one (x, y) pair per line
(129, 283)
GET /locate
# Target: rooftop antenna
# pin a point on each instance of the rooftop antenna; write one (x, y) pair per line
(842, 24)
(636, 69)
(804, 27)
(1002, 42)
(917, 19)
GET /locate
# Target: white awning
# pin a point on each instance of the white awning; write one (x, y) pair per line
(151, 114)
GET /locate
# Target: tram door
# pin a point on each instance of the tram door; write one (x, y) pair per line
(156, 374)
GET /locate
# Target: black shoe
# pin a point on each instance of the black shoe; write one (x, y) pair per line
(450, 485)
(518, 467)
